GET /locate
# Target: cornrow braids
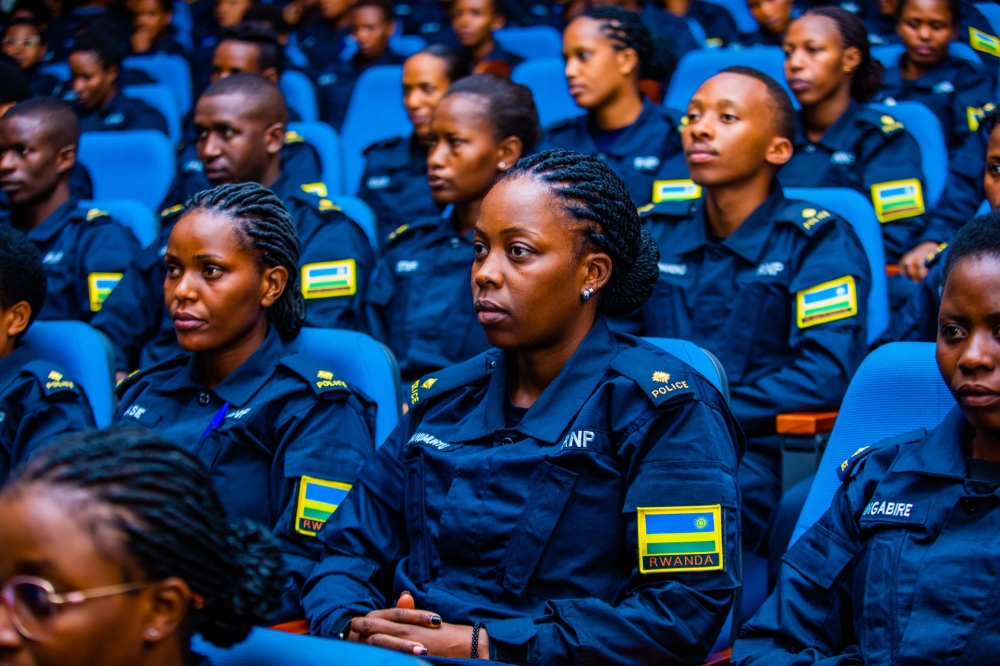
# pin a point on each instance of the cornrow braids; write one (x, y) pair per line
(166, 508)
(600, 200)
(626, 30)
(268, 230)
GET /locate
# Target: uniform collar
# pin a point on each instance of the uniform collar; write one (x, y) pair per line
(632, 140)
(54, 223)
(558, 404)
(837, 137)
(943, 72)
(942, 452)
(11, 365)
(113, 105)
(417, 152)
(283, 187)
(239, 387)
(748, 239)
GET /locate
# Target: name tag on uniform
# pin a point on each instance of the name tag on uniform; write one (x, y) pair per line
(378, 182)
(100, 287)
(895, 511)
(114, 119)
(672, 269)
(318, 499)
(646, 163)
(330, 279)
(680, 538)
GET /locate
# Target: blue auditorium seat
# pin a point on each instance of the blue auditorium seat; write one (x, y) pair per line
(983, 208)
(364, 363)
(326, 141)
(138, 218)
(745, 22)
(265, 647)
(85, 354)
(172, 71)
(360, 212)
(992, 13)
(111, 159)
(299, 94)
(405, 45)
(161, 98)
(925, 127)
(871, 413)
(537, 41)
(60, 70)
(888, 54)
(183, 23)
(375, 113)
(857, 210)
(698, 66)
(546, 78)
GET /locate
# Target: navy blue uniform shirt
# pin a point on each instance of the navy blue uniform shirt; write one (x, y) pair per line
(917, 321)
(85, 253)
(964, 191)
(394, 183)
(429, 19)
(870, 152)
(671, 28)
(954, 91)
(121, 113)
(716, 21)
(335, 85)
(42, 84)
(38, 402)
(322, 45)
(497, 61)
(567, 530)
(283, 438)
(635, 154)
(762, 38)
(901, 569)
(335, 265)
(423, 298)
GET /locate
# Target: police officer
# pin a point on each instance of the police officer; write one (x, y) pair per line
(774, 17)
(902, 566)
(840, 143)
(607, 51)
(95, 63)
(480, 128)
(715, 20)
(25, 43)
(208, 29)
(474, 22)
(38, 400)
(241, 124)
(372, 26)
(323, 39)
(431, 20)
(394, 182)
(542, 498)
(84, 251)
(777, 289)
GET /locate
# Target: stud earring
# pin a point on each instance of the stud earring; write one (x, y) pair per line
(847, 69)
(587, 293)
(502, 165)
(152, 632)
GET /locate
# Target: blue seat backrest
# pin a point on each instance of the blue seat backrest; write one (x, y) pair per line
(405, 45)
(375, 113)
(697, 31)
(992, 13)
(326, 141)
(172, 71)
(924, 126)
(299, 94)
(360, 212)
(364, 363)
(161, 98)
(888, 54)
(265, 647)
(85, 354)
(112, 159)
(983, 208)
(897, 389)
(546, 79)
(60, 70)
(537, 41)
(183, 23)
(856, 209)
(745, 22)
(698, 66)
(140, 220)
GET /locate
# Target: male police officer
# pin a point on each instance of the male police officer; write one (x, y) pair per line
(84, 251)
(240, 122)
(776, 289)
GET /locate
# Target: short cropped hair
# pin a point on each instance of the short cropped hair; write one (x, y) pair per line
(781, 103)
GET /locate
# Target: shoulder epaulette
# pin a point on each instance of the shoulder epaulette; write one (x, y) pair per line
(659, 375)
(52, 380)
(136, 375)
(96, 213)
(852, 465)
(677, 118)
(384, 143)
(463, 374)
(806, 216)
(883, 121)
(405, 229)
(977, 114)
(292, 136)
(936, 255)
(173, 210)
(319, 189)
(317, 197)
(314, 373)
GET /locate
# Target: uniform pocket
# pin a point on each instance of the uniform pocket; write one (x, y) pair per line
(879, 597)
(820, 556)
(552, 489)
(416, 521)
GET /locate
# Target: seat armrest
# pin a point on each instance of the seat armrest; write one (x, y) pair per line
(719, 658)
(299, 627)
(805, 423)
(892, 270)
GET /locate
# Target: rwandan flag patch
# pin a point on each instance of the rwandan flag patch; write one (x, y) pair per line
(830, 301)
(100, 287)
(675, 539)
(984, 42)
(898, 199)
(333, 278)
(318, 499)
(675, 190)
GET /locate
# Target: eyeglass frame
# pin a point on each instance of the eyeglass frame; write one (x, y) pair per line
(24, 43)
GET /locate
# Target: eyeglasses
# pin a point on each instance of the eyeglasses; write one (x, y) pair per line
(26, 44)
(32, 603)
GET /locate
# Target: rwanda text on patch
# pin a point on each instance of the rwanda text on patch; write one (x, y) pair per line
(318, 499)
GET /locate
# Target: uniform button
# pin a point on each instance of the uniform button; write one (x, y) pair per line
(969, 505)
(454, 243)
(204, 399)
(810, 148)
(506, 441)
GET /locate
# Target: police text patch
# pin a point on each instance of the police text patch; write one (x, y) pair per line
(329, 279)
(675, 190)
(100, 286)
(829, 301)
(674, 539)
(898, 199)
(318, 499)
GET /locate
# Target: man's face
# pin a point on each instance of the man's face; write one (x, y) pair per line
(371, 30)
(30, 162)
(234, 144)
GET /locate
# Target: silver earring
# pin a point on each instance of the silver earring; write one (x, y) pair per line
(587, 293)
(502, 165)
(152, 633)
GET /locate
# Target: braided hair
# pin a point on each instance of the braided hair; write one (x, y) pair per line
(599, 200)
(867, 78)
(166, 508)
(626, 30)
(267, 229)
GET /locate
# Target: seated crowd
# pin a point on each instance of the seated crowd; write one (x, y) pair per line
(560, 488)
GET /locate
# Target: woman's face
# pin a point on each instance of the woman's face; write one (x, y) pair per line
(230, 12)
(596, 73)
(968, 344)
(463, 162)
(773, 15)
(23, 43)
(925, 29)
(816, 62)
(215, 291)
(425, 81)
(991, 179)
(529, 275)
(474, 22)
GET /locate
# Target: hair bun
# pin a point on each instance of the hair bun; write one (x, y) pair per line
(633, 278)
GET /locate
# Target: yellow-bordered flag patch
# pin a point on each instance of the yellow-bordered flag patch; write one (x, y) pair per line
(326, 280)
(674, 539)
(100, 287)
(318, 499)
(675, 190)
(898, 199)
(984, 42)
(830, 301)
